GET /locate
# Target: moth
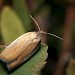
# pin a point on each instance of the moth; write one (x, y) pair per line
(22, 48)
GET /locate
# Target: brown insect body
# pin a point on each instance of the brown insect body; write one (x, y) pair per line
(15, 53)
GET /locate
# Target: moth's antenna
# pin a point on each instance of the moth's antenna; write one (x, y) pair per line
(35, 22)
(52, 35)
(43, 31)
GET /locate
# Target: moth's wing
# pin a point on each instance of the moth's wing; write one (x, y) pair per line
(28, 52)
(13, 51)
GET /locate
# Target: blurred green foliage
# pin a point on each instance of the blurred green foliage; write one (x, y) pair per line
(20, 7)
(11, 25)
(14, 21)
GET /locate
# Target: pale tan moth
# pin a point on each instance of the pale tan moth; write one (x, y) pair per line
(22, 48)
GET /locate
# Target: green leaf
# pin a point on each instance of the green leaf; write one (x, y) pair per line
(33, 66)
(11, 25)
